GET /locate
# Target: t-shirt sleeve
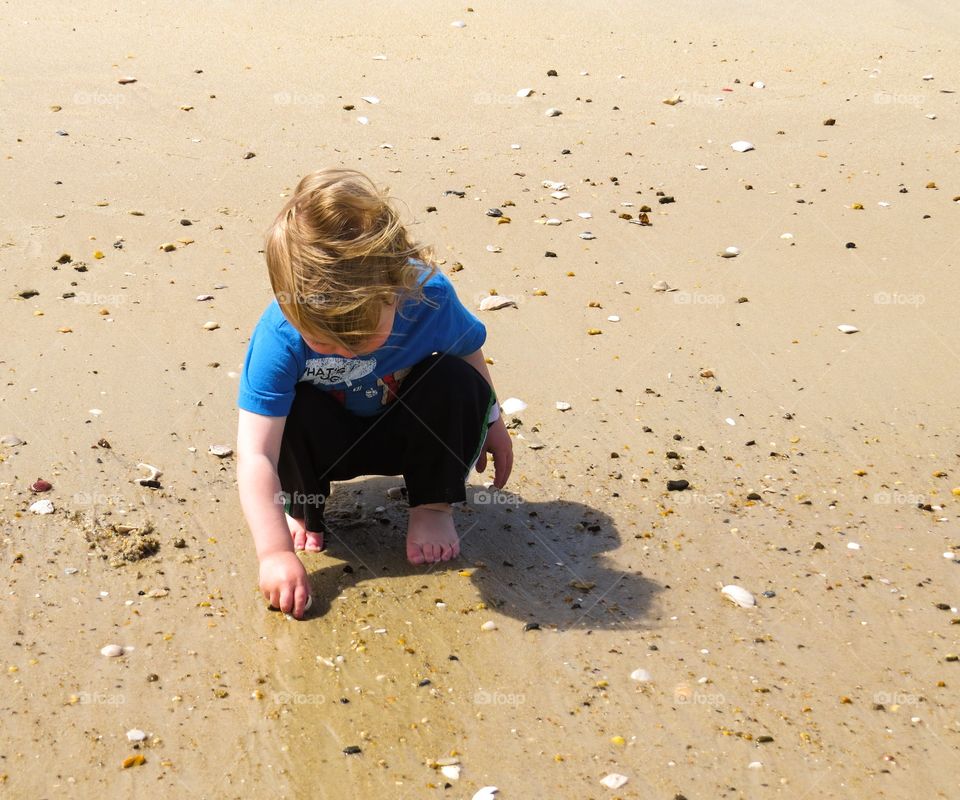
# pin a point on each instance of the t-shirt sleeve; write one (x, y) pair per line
(268, 382)
(457, 331)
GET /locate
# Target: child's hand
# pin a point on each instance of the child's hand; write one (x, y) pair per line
(500, 445)
(284, 583)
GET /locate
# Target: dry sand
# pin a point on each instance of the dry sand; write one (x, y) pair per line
(847, 439)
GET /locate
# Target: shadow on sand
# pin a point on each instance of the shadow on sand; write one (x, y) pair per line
(542, 562)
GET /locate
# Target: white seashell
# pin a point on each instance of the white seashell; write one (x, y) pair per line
(451, 772)
(211, 325)
(729, 421)
(786, 235)
(662, 286)
(492, 248)
(514, 147)
(512, 405)
(553, 221)
(380, 57)
(495, 302)
(489, 625)
(555, 185)
(584, 72)
(739, 595)
(742, 146)
(371, 99)
(524, 92)
(641, 675)
(927, 78)
(585, 215)
(386, 146)
(363, 120)
(486, 793)
(111, 651)
(613, 318)
(42, 507)
(153, 472)
(458, 23)
(135, 735)
(71, 571)
(848, 329)
(202, 297)
(95, 411)
(758, 85)
(220, 450)
(562, 406)
(700, 167)
(853, 546)
(950, 555)
(930, 116)
(552, 112)
(754, 765)
(614, 780)
(560, 195)
(587, 235)
(11, 441)
(730, 252)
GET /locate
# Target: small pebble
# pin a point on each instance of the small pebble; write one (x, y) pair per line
(641, 676)
(111, 651)
(489, 625)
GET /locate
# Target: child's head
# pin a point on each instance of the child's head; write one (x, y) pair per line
(339, 259)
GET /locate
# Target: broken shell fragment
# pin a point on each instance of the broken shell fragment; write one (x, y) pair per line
(738, 595)
(662, 286)
(220, 450)
(512, 405)
(587, 235)
(486, 793)
(525, 92)
(741, 146)
(11, 441)
(730, 252)
(552, 112)
(614, 780)
(495, 302)
(135, 735)
(562, 406)
(848, 328)
(641, 676)
(489, 625)
(42, 507)
(152, 472)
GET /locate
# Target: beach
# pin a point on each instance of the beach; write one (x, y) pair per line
(729, 271)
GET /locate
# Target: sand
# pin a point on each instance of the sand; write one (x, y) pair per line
(839, 685)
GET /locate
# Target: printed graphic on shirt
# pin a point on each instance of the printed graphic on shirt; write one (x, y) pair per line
(331, 370)
(390, 385)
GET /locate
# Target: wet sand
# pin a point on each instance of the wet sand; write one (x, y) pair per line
(832, 497)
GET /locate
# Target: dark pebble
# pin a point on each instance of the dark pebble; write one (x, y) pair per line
(551, 73)
(425, 682)
(769, 593)
(751, 443)
(754, 496)
(348, 569)
(150, 484)
(153, 677)
(352, 750)
(564, 152)
(549, 254)
(677, 486)
(103, 443)
(672, 454)
(851, 245)
(532, 626)
(185, 222)
(494, 212)
(664, 200)
(26, 294)
(180, 543)
(431, 209)
(764, 739)
(941, 606)
(830, 121)
(249, 154)
(677, 437)
(457, 192)
(65, 259)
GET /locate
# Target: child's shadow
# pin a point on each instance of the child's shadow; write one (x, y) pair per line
(542, 563)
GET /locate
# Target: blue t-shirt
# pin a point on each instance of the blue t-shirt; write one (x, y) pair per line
(278, 358)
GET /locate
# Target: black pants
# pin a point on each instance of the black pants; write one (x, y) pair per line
(431, 434)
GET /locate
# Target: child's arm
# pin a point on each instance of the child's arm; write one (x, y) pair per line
(498, 440)
(283, 580)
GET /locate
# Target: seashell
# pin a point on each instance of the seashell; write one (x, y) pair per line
(755, 765)
(95, 411)
(211, 326)
(730, 252)
(786, 235)
(927, 78)
(613, 318)
(126, 80)
(494, 212)
(672, 101)
(492, 248)
(11, 441)
(738, 595)
(594, 331)
(220, 450)
(70, 571)
(729, 421)
(662, 286)
(168, 247)
(136, 760)
(526, 92)
(742, 146)
(641, 675)
(512, 405)
(135, 735)
(587, 235)
(40, 485)
(848, 329)
(451, 771)
(379, 57)
(42, 507)
(202, 297)
(560, 195)
(555, 185)
(486, 793)
(458, 23)
(553, 221)
(111, 651)
(157, 593)
(853, 546)
(614, 780)
(585, 215)
(562, 406)
(758, 85)
(386, 146)
(552, 112)
(930, 116)
(489, 625)
(514, 147)
(372, 99)
(152, 472)
(495, 302)
(950, 555)
(363, 120)
(700, 167)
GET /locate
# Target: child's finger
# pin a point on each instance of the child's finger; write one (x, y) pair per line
(482, 462)
(502, 467)
(286, 600)
(301, 600)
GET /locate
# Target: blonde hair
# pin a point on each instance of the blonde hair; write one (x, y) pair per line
(338, 252)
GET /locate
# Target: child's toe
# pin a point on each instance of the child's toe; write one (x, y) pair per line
(414, 553)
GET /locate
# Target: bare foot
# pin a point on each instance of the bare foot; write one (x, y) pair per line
(302, 538)
(431, 534)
